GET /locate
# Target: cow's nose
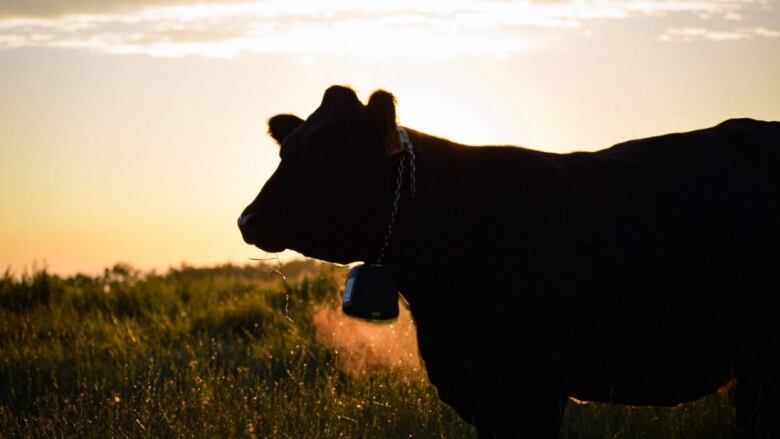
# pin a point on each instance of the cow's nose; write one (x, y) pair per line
(244, 218)
(248, 229)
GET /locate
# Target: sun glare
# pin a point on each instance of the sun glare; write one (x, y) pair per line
(441, 113)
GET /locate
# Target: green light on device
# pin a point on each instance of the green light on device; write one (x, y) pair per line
(371, 293)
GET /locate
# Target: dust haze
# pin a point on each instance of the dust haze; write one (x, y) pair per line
(362, 346)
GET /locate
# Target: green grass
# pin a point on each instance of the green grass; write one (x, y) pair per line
(230, 351)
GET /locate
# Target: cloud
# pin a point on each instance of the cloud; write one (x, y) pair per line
(53, 8)
(689, 34)
(425, 28)
(764, 32)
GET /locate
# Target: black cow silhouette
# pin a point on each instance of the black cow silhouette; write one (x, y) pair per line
(642, 274)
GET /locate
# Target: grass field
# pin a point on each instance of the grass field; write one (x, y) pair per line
(241, 352)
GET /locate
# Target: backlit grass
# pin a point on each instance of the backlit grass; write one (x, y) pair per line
(235, 352)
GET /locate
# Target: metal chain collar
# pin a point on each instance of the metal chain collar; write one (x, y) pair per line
(408, 148)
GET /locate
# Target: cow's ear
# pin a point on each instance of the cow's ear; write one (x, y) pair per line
(381, 113)
(281, 125)
(338, 95)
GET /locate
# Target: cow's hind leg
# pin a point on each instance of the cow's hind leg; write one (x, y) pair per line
(757, 402)
(757, 396)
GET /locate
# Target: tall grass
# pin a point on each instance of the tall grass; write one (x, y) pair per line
(231, 351)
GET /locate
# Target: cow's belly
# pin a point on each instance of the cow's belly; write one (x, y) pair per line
(653, 384)
(656, 333)
(669, 351)
(652, 356)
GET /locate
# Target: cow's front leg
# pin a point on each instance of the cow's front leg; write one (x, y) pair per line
(535, 415)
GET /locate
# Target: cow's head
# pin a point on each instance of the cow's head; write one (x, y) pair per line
(331, 195)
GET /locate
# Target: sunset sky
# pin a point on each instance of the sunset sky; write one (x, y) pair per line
(136, 130)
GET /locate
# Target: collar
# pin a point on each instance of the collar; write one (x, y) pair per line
(408, 149)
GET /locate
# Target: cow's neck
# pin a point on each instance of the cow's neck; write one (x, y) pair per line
(465, 197)
(423, 222)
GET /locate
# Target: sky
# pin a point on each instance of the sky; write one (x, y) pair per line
(135, 131)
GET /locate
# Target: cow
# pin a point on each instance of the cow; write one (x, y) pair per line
(641, 274)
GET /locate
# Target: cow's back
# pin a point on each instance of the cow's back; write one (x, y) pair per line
(677, 235)
(718, 184)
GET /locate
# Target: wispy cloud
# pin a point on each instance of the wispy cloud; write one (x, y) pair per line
(53, 8)
(689, 34)
(429, 28)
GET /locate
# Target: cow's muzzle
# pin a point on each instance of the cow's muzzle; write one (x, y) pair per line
(250, 224)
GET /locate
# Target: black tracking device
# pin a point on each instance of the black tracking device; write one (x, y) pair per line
(371, 293)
